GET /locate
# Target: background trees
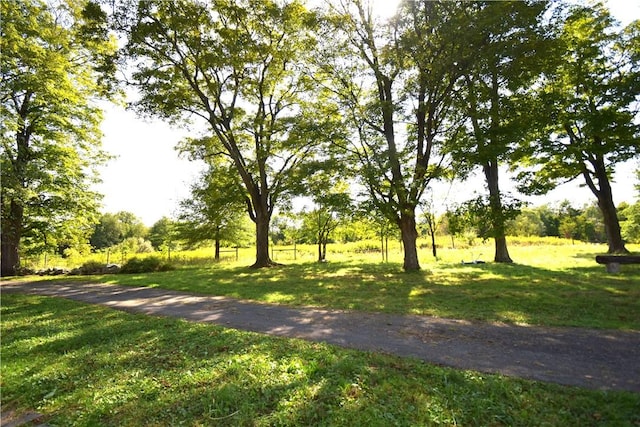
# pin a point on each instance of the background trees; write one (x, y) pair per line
(325, 184)
(57, 60)
(112, 229)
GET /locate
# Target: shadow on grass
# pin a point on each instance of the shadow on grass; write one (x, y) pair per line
(88, 365)
(511, 293)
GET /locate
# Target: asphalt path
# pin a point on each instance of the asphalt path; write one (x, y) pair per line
(590, 358)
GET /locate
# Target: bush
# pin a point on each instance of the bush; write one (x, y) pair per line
(95, 267)
(145, 265)
(92, 267)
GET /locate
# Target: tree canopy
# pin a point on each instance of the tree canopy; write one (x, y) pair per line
(271, 89)
(590, 106)
(238, 66)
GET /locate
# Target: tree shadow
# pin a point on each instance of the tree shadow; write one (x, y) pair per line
(97, 366)
(510, 293)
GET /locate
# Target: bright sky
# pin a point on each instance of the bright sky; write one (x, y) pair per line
(148, 178)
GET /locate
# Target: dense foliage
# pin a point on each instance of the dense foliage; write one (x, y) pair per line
(272, 89)
(588, 110)
(56, 62)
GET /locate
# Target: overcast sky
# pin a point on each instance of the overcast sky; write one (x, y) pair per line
(148, 178)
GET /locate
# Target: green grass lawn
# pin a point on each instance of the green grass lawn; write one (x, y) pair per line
(87, 365)
(552, 285)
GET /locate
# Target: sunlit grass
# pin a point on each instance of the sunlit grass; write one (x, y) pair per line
(86, 365)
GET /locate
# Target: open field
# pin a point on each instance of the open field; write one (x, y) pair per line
(552, 285)
(87, 365)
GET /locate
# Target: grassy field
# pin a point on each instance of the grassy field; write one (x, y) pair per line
(549, 284)
(86, 365)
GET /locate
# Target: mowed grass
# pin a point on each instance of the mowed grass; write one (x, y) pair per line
(87, 365)
(550, 285)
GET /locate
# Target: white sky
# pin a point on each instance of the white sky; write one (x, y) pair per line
(148, 178)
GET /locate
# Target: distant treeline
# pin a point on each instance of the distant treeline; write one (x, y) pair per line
(124, 231)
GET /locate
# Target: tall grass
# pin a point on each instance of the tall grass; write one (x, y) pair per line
(365, 251)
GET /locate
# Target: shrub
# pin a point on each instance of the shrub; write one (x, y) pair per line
(145, 265)
(95, 267)
(91, 267)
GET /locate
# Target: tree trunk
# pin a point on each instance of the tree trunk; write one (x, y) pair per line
(612, 227)
(262, 220)
(409, 237)
(607, 206)
(497, 214)
(11, 226)
(432, 231)
(10, 240)
(217, 246)
(434, 249)
(320, 237)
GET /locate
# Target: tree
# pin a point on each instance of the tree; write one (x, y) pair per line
(589, 107)
(107, 232)
(332, 204)
(325, 182)
(215, 209)
(477, 214)
(113, 229)
(385, 76)
(491, 96)
(236, 65)
(550, 219)
(57, 60)
(162, 234)
(630, 222)
(528, 223)
(432, 222)
(630, 217)
(454, 224)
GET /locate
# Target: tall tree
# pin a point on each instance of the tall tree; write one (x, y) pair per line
(491, 96)
(590, 110)
(57, 60)
(235, 65)
(385, 76)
